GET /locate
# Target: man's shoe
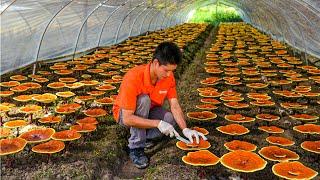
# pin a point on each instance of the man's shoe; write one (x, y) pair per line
(138, 158)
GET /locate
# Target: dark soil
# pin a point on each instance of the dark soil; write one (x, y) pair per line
(103, 154)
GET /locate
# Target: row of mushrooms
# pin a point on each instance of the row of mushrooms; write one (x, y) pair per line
(244, 61)
(65, 100)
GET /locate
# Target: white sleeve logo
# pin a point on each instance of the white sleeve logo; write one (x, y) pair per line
(163, 92)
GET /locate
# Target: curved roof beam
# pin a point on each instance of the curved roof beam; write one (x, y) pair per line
(84, 22)
(107, 19)
(169, 23)
(119, 27)
(45, 30)
(7, 7)
(135, 20)
(145, 17)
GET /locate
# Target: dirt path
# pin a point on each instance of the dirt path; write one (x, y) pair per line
(128, 170)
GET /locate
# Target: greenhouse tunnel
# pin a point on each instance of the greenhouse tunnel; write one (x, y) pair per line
(160, 89)
(37, 31)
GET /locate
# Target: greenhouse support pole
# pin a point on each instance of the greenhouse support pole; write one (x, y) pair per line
(145, 17)
(152, 19)
(170, 19)
(181, 15)
(310, 22)
(281, 25)
(8, 6)
(42, 36)
(105, 22)
(148, 7)
(135, 20)
(84, 22)
(302, 35)
(156, 20)
(119, 27)
(162, 26)
(176, 13)
(166, 14)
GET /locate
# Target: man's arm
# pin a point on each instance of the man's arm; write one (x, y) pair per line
(177, 113)
(129, 119)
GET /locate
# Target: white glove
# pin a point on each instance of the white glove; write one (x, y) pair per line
(193, 133)
(167, 129)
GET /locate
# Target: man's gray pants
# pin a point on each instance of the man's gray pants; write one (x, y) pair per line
(139, 136)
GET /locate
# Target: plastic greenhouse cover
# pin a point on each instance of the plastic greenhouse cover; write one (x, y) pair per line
(33, 31)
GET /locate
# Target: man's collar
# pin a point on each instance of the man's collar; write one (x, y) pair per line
(147, 76)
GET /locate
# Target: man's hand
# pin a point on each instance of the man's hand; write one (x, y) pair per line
(193, 133)
(167, 129)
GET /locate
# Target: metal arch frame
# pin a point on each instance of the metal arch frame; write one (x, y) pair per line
(169, 19)
(180, 14)
(163, 20)
(310, 22)
(266, 20)
(281, 29)
(250, 17)
(145, 17)
(8, 7)
(177, 13)
(45, 30)
(152, 20)
(303, 37)
(84, 22)
(312, 7)
(286, 15)
(165, 16)
(287, 29)
(276, 19)
(158, 17)
(288, 22)
(103, 26)
(59, 24)
(123, 19)
(146, 8)
(172, 15)
(271, 21)
(135, 20)
(184, 16)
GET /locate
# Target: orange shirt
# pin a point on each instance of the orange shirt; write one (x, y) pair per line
(138, 81)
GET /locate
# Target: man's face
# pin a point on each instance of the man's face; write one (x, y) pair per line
(163, 71)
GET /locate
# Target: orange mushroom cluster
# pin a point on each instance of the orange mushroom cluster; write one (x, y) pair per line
(200, 158)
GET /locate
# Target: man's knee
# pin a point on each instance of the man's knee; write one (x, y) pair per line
(168, 117)
(144, 100)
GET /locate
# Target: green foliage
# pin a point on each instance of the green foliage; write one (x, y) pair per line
(214, 14)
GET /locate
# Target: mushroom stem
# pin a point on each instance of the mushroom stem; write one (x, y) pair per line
(17, 131)
(48, 160)
(31, 117)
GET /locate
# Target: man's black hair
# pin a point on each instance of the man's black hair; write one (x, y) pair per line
(168, 53)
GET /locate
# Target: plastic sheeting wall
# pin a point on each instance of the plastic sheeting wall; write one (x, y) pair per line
(34, 31)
